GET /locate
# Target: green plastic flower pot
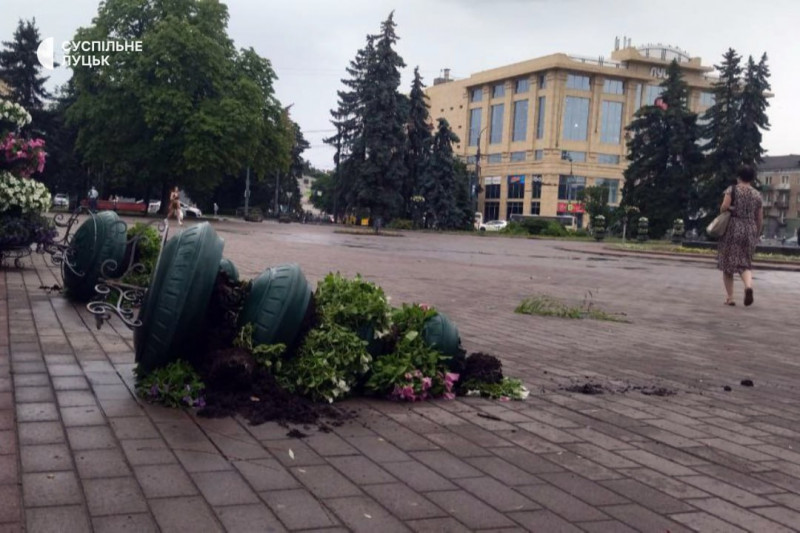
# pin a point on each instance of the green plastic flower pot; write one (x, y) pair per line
(97, 240)
(442, 334)
(175, 304)
(277, 305)
(227, 266)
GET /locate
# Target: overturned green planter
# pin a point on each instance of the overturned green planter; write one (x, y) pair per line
(277, 305)
(442, 334)
(175, 304)
(227, 266)
(99, 239)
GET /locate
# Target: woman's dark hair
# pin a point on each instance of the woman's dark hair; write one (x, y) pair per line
(746, 173)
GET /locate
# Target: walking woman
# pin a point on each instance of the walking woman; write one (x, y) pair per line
(175, 205)
(738, 244)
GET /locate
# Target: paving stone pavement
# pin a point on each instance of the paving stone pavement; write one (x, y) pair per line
(78, 452)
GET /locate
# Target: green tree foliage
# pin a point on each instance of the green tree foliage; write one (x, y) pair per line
(189, 109)
(664, 156)
(753, 111)
(20, 69)
(439, 181)
(419, 140)
(595, 200)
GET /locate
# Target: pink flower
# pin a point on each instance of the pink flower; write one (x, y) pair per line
(451, 377)
(424, 307)
(426, 383)
(449, 396)
(408, 375)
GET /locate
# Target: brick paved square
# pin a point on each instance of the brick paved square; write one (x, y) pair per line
(224, 488)
(298, 509)
(51, 488)
(469, 510)
(266, 474)
(90, 438)
(160, 481)
(133, 523)
(117, 495)
(85, 415)
(177, 515)
(254, 518)
(101, 463)
(44, 458)
(63, 519)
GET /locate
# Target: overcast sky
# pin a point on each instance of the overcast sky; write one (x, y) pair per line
(310, 42)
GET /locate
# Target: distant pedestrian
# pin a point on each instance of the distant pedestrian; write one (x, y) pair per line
(175, 205)
(798, 235)
(216, 209)
(738, 244)
(114, 201)
(93, 194)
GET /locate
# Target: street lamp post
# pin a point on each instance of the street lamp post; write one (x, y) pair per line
(477, 172)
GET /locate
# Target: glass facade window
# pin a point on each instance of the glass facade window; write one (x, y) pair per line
(538, 155)
(496, 133)
(517, 156)
(613, 189)
(471, 159)
(540, 117)
(652, 92)
(576, 81)
(516, 187)
(520, 132)
(491, 211)
(707, 99)
(536, 187)
(499, 90)
(543, 81)
(576, 119)
(522, 86)
(607, 159)
(476, 96)
(637, 92)
(494, 158)
(492, 191)
(570, 186)
(613, 87)
(474, 126)
(575, 157)
(513, 208)
(536, 208)
(611, 122)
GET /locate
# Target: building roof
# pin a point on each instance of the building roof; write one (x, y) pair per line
(780, 162)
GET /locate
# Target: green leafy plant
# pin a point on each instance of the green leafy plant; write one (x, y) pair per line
(411, 317)
(507, 389)
(174, 385)
(542, 305)
(401, 223)
(398, 369)
(269, 355)
(352, 303)
(146, 251)
(329, 363)
(554, 229)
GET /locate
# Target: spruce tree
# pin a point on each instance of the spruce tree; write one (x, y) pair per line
(348, 118)
(19, 67)
(722, 131)
(664, 156)
(753, 110)
(419, 141)
(379, 183)
(440, 183)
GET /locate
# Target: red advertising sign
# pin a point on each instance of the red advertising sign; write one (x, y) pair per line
(570, 208)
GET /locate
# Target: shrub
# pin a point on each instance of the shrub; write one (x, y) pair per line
(401, 223)
(535, 226)
(146, 251)
(174, 385)
(554, 229)
(352, 303)
(328, 364)
(515, 228)
(578, 233)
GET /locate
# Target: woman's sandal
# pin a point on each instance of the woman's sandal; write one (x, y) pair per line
(748, 297)
(729, 302)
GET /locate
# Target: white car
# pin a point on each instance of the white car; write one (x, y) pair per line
(60, 200)
(191, 212)
(493, 225)
(153, 207)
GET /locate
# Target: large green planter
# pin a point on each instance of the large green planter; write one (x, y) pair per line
(227, 266)
(98, 239)
(175, 304)
(277, 305)
(441, 333)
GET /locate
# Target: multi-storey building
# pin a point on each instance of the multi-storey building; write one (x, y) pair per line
(780, 190)
(547, 128)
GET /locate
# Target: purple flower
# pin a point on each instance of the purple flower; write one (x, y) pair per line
(154, 390)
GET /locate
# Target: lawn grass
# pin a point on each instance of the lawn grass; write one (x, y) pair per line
(543, 305)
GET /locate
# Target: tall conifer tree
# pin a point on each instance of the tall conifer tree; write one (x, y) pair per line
(439, 181)
(20, 68)
(419, 141)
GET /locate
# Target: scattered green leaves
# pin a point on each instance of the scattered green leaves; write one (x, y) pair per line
(542, 305)
(174, 385)
(352, 303)
(508, 389)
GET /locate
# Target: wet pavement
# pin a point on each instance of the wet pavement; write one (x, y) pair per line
(649, 440)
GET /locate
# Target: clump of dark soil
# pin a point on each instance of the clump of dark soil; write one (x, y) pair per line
(265, 401)
(586, 388)
(230, 369)
(483, 368)
(657, 391)
(747, 383)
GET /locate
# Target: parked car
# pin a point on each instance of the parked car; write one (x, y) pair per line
(154, 207)
(493, 225)
(60, 200)
(190, 211)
